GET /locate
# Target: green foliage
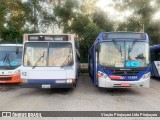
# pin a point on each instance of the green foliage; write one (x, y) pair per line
(2, 13)
(11, 21)
(91, 31)
(141, 20)
(79, 25)
(64, 12)
(102, 21)
(11, 36)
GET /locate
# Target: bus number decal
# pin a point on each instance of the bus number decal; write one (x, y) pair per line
(132, 77)
(24, 73)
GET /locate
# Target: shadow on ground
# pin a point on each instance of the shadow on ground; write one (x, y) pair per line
(8, 87)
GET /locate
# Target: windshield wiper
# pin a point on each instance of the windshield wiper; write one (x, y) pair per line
(6, 59)
(131, 48)
(134, 42)
(38, 61)
(66, 60)
(117, 46)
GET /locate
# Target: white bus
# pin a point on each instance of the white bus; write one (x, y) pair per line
(49, 61)
(10, 62)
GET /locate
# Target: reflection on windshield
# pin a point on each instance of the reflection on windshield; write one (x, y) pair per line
(60, 54)
(110, 56)
(48, 54)
(33, 53)
(9, 56)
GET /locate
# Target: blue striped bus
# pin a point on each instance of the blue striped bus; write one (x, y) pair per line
(120, 60)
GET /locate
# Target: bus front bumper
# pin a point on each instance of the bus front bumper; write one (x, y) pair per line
(10, 78)
(144, 83)
(40, 85)
(48, 83)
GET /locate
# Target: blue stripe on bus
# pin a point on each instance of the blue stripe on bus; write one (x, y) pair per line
(43, 80)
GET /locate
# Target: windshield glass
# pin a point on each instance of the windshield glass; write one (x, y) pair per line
(35, 54)
(10, 56)
(60, 54)
(124, 54)
(48, 54)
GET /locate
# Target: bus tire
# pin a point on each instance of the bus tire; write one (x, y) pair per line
(74, 85)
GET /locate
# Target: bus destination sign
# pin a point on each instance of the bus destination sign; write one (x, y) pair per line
(47, 37)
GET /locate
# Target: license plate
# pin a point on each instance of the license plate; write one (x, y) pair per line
(46, 86)
(125, 84)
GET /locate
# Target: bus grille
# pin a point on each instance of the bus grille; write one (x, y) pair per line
(125, 73)
(5, 78)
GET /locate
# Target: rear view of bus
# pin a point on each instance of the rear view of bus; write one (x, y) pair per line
(10, 62)
(120, 60)
(49, 61)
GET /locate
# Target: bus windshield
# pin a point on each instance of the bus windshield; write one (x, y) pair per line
(54, 54)
(124, 54)
(10, 56)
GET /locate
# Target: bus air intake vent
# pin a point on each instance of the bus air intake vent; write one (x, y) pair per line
(5, 78)
(125, 73)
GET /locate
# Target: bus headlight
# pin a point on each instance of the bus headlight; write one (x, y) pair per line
(146, 75)
(102, 75)
(17, 72)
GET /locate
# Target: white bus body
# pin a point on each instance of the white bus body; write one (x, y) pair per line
(49, 61)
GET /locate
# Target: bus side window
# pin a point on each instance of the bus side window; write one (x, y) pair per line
(156, 55)
(152, 55)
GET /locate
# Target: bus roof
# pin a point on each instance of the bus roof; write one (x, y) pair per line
(19, 45)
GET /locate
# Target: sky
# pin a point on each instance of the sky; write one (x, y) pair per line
(106, 5)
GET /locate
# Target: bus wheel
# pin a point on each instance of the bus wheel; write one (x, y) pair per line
(74, 85)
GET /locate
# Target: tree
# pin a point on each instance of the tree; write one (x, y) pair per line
(91, 33)
(101, 19)
(37, 15)
(64, 11)
(86, 32)
(141, 19)
(12, 20)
